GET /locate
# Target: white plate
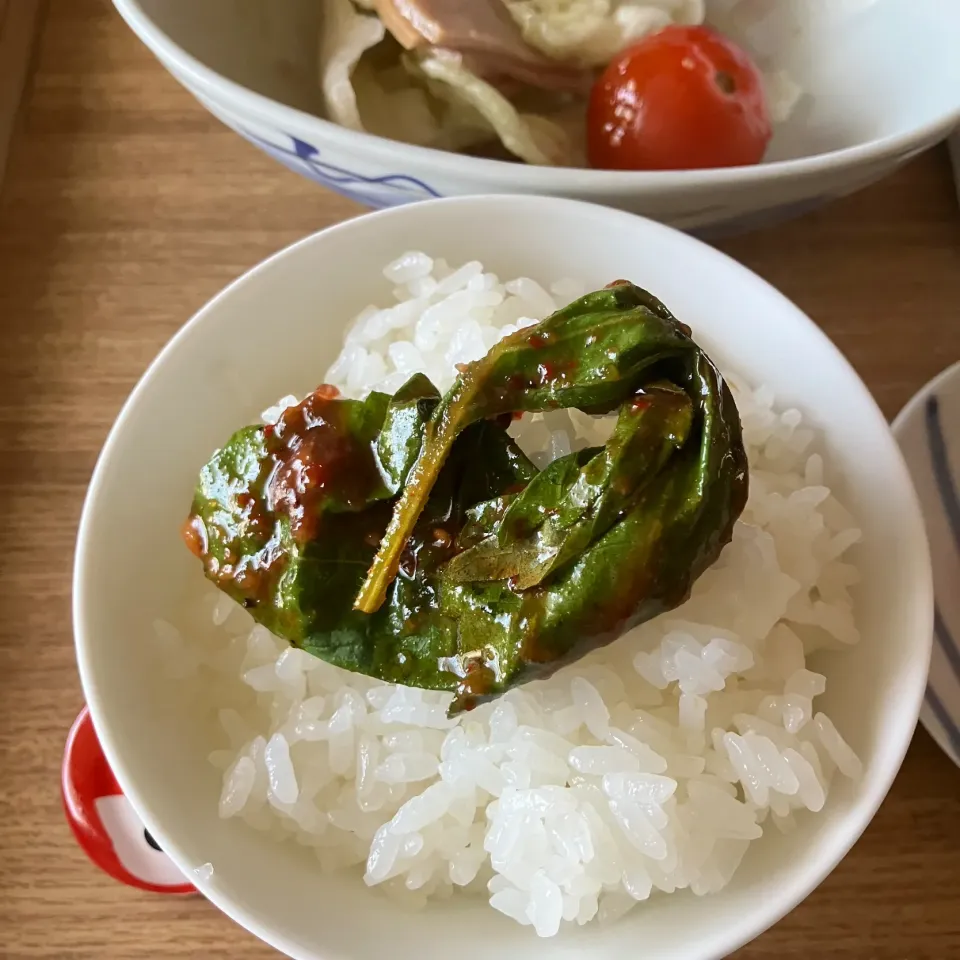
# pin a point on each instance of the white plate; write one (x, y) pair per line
(928, 430)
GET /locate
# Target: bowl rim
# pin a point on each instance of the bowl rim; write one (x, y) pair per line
(533, 178)
(802, 880)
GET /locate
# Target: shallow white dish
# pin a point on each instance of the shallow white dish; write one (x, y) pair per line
(928, 430)
(275, 331)
(868, 109)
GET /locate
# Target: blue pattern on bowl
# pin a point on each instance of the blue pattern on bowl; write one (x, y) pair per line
(390, 190)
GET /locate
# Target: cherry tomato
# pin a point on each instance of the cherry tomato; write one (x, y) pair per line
(685, 98)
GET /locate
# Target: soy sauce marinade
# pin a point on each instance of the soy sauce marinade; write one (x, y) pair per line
(408, 538)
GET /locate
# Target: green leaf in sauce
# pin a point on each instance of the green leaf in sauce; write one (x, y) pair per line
(594, 354)
(408, 538)
(579, 497)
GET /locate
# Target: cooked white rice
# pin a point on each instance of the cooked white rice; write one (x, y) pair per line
(648, 766)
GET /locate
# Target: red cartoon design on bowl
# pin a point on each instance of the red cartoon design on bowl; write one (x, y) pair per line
(105, 823)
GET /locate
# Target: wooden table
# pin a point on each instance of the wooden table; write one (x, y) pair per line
(125, 208)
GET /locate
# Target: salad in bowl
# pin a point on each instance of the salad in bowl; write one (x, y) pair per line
(607, 84)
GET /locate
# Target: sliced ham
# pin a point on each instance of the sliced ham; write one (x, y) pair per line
(484, 33)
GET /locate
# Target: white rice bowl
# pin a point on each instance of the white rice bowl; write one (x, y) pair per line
(275, 331)
(646, 768)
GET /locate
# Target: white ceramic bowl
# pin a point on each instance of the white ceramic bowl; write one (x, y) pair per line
(882, 78)
(275, 331)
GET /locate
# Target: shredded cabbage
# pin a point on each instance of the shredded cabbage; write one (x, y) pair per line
(385, 93)
(592, 32)
(531, 138)
(783, 94)
(346, 35)
(395, 106)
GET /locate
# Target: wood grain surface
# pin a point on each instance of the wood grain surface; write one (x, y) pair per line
(125, 208)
